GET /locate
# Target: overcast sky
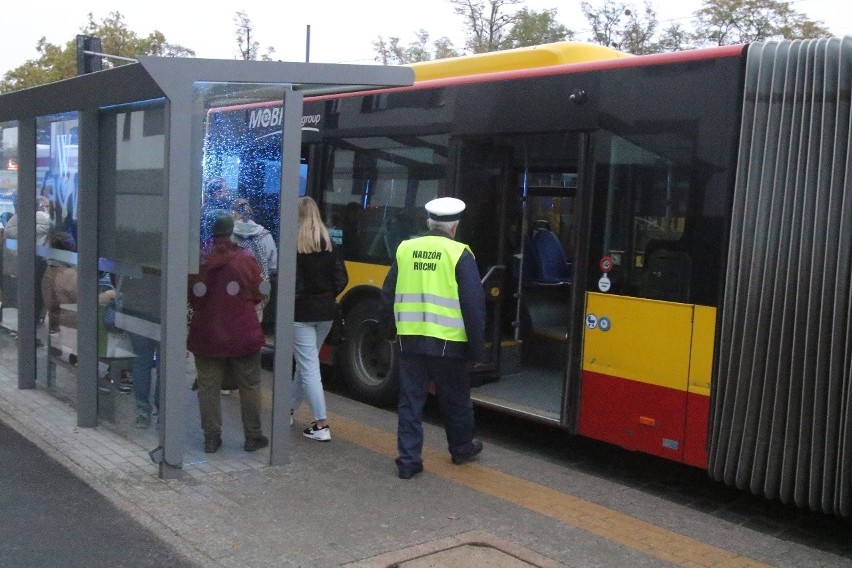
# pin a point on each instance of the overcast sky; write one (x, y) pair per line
(342, 31)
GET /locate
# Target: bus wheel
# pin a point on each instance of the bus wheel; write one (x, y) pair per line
(368, 363)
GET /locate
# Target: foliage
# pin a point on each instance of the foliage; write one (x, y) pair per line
(525, 28)
(487, 25)
(57, 62)
(675, 38)
(444, 48)
(725, 22)
(392, 52)
(249, 48)
(535, 28)
(619, 25)
(613, 23)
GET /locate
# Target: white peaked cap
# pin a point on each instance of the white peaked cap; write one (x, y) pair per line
(445, 209)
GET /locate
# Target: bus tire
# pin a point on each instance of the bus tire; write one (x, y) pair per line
(367, 362)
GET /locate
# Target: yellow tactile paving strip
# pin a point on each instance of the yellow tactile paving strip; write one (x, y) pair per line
(596, 519)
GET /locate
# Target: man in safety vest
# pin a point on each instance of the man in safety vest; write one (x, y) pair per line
(434, 297)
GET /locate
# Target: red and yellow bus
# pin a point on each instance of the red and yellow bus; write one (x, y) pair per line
(664, 242)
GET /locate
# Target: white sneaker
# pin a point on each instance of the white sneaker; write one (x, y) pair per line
(320, 434)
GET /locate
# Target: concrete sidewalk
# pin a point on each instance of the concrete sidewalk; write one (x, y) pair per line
(334, 504)
(341, 504)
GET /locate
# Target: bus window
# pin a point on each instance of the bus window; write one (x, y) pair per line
(651, 224)
(375, 194)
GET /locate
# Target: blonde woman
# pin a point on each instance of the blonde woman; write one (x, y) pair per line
(320, 277)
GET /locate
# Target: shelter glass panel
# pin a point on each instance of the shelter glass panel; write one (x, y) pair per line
(240, 151)
(237, 135)
(57, 290)
(8, 234)
(131, 229)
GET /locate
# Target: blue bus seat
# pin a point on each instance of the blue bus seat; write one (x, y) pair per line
(551, 268)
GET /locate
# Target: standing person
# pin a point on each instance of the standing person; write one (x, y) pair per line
(433, 294)
(141, 300)
(257, 240)
(43, 227)
(224, 334)
(59, 285)
(217, 196)
(44, 224)
(320, 277)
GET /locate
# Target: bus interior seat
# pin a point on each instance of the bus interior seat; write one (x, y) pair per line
(667, 272)
(551, 268)
(543, 272)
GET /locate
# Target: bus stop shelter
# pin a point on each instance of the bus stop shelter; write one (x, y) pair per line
(118, 156)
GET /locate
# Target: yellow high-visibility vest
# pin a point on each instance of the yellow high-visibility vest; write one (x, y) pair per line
(427, 294)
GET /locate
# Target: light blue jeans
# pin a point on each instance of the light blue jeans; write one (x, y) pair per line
(307, 340)
(147, 358)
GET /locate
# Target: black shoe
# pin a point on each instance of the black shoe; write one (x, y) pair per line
(477, 449)
(408, 473)
(254, 444)
(212, 443)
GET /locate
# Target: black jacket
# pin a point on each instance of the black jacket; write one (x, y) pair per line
(320, 277)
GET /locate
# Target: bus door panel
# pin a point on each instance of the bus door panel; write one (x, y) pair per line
(482, 185)
(636, 373)
(698, 393)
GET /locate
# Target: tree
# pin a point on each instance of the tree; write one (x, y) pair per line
(56, 62)
(535, 28)
(248, 46)
(488, 29)
(619, 25)
(118, 39)
(638, 33)
(444, 49)
(726, 22)
(486, 24)
(392, 52)
(675, 38)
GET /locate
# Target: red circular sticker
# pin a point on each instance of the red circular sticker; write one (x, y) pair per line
(606, 264)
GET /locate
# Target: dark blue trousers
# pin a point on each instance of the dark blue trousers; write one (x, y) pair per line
(452, 389)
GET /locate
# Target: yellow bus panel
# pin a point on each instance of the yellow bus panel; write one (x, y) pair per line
(638, 339)
(549, 54)
(703, 339)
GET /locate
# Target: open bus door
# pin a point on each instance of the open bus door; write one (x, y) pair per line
(522, 225)
(483, 185)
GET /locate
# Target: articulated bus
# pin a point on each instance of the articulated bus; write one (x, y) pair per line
(664, 242)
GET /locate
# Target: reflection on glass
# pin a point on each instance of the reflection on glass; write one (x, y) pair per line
(8, 234)
(375, 197)
(652, 209)
(241, 172)
(57, 290)
(131, 225)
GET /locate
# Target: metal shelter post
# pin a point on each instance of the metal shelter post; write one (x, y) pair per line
(173, 287)
(87, 270)
(282, 385)
(25, 211)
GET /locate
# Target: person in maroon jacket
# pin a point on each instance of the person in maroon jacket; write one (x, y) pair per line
(224, 333)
